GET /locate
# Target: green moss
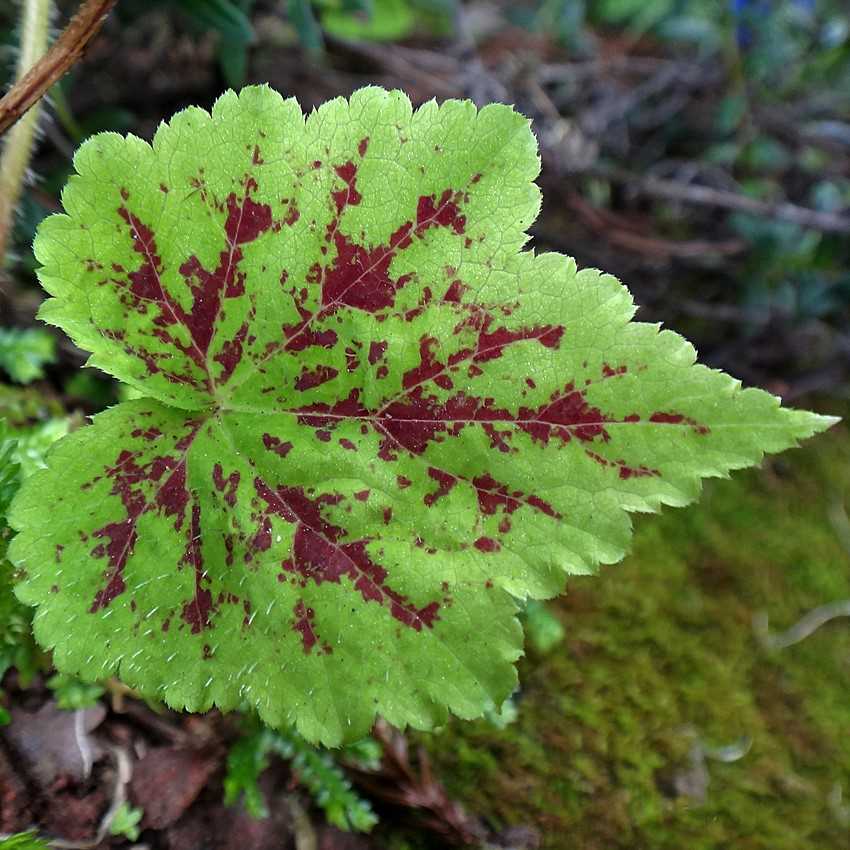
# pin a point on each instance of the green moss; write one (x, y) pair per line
(660, 655)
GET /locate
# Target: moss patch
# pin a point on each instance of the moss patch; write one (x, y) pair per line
(661, 657)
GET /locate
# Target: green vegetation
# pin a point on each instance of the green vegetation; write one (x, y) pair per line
(23, 841)
(316, 770)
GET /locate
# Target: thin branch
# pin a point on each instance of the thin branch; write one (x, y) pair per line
(123, 775)
(66, 50)
(705, 196)
(617, 231)
(804, 627)
(398, 783)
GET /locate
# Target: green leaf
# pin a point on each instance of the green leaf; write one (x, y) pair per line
(365, 754)
(23, 841)
(33, 442)
(315, 770)
(10, 472)
(233, 61)
(24, 353)
(17, 647)
(325, 781)
(300, 14)
(246, 761)
(369, 420)
(387, 20)
(71, 694)
(224, 16)
(502, 716)
(126, 821)
(231, 19)
(10, 608)
(542, 628)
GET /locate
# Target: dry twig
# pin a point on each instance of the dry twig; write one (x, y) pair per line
(397, 782)
(805, 626)
(706, 196)
(618, 232)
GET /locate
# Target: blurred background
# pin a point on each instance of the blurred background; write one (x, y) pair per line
(700, 151)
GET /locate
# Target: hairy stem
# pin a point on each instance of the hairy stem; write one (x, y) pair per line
(35, 20)
(67, 49)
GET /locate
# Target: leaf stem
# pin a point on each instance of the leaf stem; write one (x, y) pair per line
(35, 23)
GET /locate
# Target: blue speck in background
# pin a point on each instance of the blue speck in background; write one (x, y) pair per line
(749, 14)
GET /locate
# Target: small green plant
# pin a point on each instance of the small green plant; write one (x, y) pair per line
(381, 20)
(369, 422)
(125, 822)
(17, 648)
(23, 841)
(315, 770)
(29, 424)
(71, 694)
(24, 353)
(542, 628)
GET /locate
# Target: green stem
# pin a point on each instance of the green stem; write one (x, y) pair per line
(63, 114)
(35, 25)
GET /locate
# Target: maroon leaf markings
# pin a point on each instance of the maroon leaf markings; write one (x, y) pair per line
(428, 409)
(368, 419)
(245, 222)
